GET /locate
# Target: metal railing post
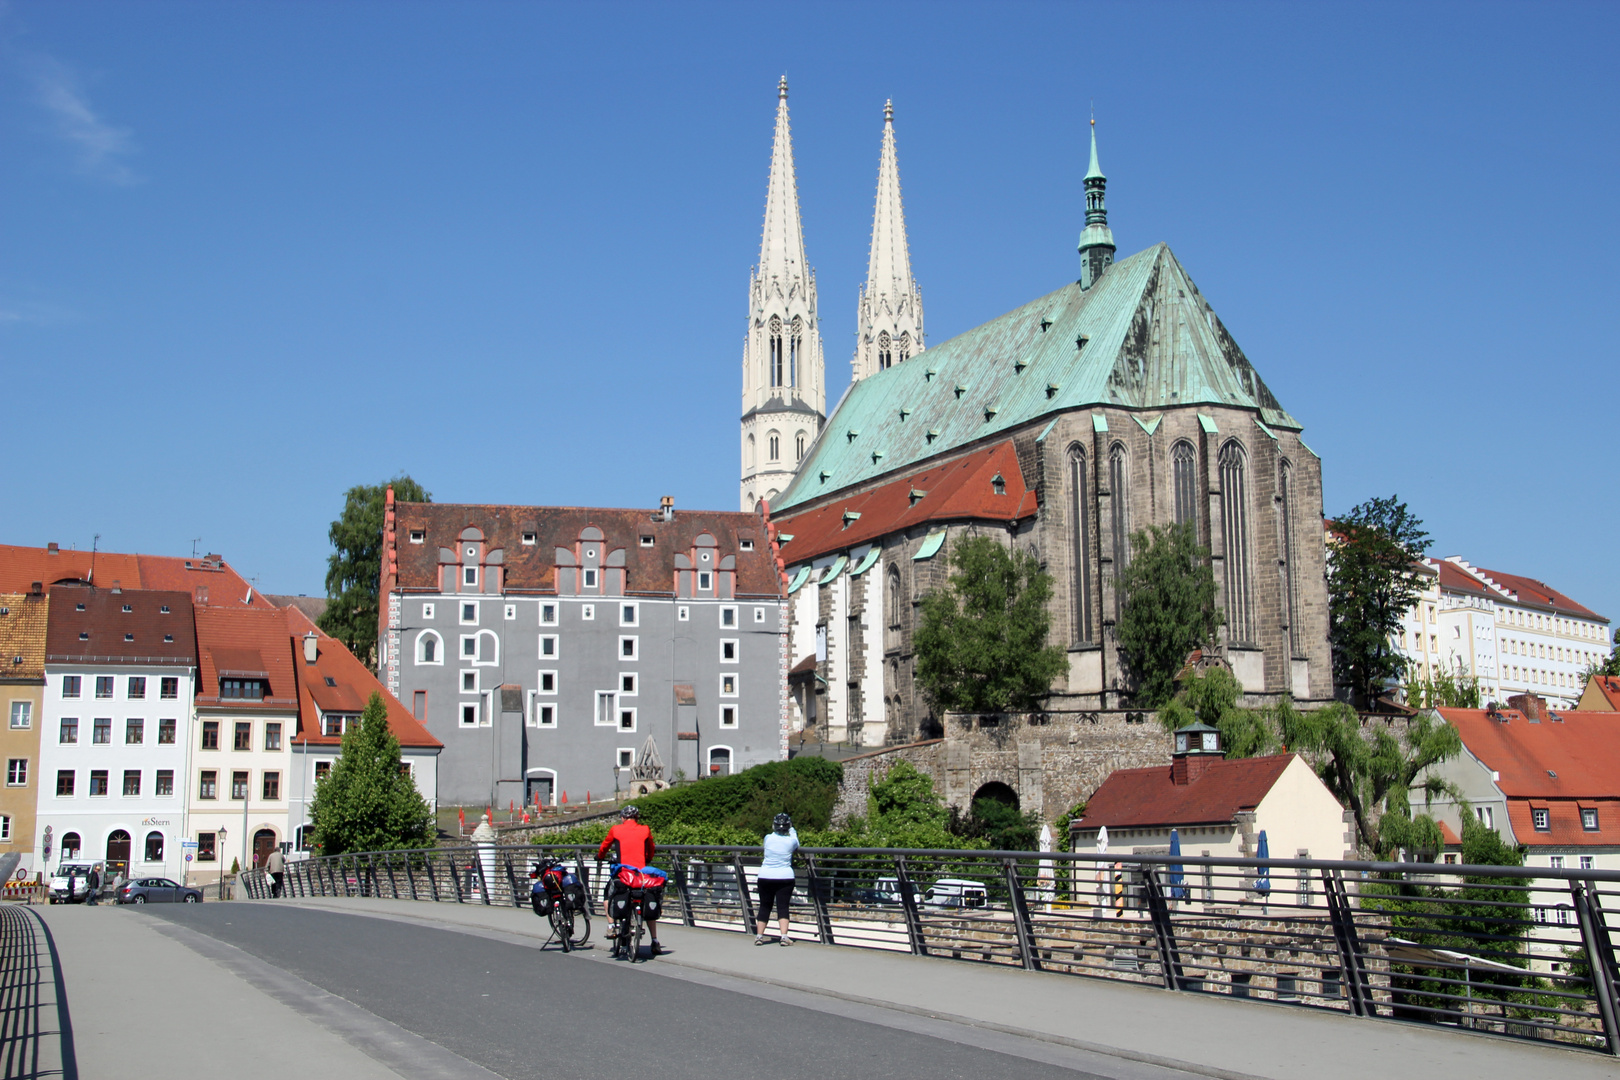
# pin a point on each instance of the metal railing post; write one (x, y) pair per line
(1599, 957)
(410, 878)
(511, 878)
(1164, 931)
(687, 918)
(1024, 929)
(745, 901)
(908, 901)
(370, 888)
(455, 878)
(483, 879)
(432, 876)
(1351, 968)
(813, 882)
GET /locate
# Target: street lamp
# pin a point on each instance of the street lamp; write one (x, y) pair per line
(219, 855)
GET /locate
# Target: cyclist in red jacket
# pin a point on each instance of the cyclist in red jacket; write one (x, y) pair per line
(636, 848)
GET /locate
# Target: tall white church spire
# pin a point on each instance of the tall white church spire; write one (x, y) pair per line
(890, 318)
(784, 394)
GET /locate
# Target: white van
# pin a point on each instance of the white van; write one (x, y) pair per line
(956, 893)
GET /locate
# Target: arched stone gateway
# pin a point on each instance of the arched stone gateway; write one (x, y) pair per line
(1001, 793)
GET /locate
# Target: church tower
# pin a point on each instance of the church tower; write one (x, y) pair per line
(890, 316)
(1097, 241)
(784, 393)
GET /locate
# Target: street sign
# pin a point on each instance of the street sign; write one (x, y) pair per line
(188, 856)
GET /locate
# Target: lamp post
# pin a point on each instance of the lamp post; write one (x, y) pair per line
(219, 859)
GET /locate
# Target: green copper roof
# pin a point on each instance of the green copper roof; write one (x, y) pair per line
(1141, 338)
(1095, 169)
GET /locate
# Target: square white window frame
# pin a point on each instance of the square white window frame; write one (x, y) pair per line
(465, 654)
(705, 581)
(469, 708)
(647, 541)
(625, 757)
(542, 711)
(587, 612)
(620, 714)
(731, 677)
(556, 646)
(605, 715)
(486, 709)
(591, 578)
(461, 684)
(728, 616)
(548, 613)
(530, 539)
(511, 611)
(635, 684)
(736, 650)
(540, 683)
(23, 710)
(418, 536)
(745, 545)
(635, 647)
(469, 576)
(469, 605)
(759, 614)
(634, 611)
(683, 613)
(725, 724)
(427, 611)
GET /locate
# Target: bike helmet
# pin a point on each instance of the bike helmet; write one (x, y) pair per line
(782, 823)
(630, 813)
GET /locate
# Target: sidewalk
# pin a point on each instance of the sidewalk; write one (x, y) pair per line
(1194, 1032)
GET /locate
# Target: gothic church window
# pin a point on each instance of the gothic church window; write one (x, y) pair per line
(798, 447)
(773, 447)
(1080, 527)
(750, 451)
(776, 351)
(1285, 507)
(884, 355)
(1119, 515)
(894, 606)
(1184, 475)
(1235, 534)
(793, 355)
(905, 349)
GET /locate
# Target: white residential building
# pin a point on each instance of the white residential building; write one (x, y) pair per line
(120, 669)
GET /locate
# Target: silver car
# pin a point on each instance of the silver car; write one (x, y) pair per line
(157, 890)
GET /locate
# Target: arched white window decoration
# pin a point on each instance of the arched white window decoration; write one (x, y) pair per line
(1080, 527)
(751, 449)
(798, 447)
(720, 761)
(773, 447)
(777, 359)
(489, 649)
(1235, 547)
(429, 648)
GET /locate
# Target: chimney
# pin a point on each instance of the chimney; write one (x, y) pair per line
(118, 587)
(666, 508)
(1534, 706)
(52, 548)
(311, 647)
(38, 588)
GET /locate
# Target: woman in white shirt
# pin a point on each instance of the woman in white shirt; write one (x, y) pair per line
(776, 877)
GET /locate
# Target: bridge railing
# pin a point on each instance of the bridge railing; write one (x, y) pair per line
(1526, 952)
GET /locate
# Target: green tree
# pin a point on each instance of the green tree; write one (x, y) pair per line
(368, 802)
(1169, 608)
(1374, 773)
(354, 569)
(1609, 668)
(1443, 691)
(1211, 697)
(1001, 826)
(981, 646)
(1371, 587)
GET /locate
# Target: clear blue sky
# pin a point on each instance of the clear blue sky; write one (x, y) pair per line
(252, 254)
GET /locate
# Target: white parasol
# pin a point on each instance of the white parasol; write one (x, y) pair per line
(1046, 876)
(1102, 877)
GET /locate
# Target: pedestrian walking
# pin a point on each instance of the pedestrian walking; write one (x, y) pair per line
(276, 868)
(776, 877)
(92, 883)
(73, 883)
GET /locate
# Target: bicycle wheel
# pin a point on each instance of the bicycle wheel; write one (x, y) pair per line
(560, 926)
(639, 931)
(582, 927)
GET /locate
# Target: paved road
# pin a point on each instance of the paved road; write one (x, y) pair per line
(519, 1012)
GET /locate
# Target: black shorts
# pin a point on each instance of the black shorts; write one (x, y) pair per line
(777, 891)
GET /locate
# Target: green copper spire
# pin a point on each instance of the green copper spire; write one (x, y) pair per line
(1097, 241)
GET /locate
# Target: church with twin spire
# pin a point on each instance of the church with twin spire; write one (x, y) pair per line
(784, 384)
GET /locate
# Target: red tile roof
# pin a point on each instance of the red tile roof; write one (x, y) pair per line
(23, 619)
(1530, 591)
(245, 643)
(353, 686)
(20, 567)
(957, 490)
(1577, 756)
(105, 633)
(1454, 578)
(649, 571)
(1449, 836)
(1564, 827)
(1139, 798)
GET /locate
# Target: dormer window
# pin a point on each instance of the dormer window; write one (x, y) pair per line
(646, 541)
(78, 607)
(531, 538)
(746, 545)
(164, 609)
(418, 535)
(998, 484)
(1589, 820)
(590, 577)
(128, 609)
(1542, 819)
(469, 575)
(242, 689)
(705, 581)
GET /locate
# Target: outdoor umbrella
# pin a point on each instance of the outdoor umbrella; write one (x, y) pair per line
(1102, 849)
(1046, 875)
(1178, 879)
(1262, 881)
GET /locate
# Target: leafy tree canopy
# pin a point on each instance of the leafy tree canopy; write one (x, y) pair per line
(1169, 608)
(354, 569)
(1371, 587)
(1211, 697)
(1609, 668)
(1445, 690)
(981, 645)
(368, 802)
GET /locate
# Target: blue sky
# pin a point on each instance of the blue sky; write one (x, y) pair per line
(251, 254)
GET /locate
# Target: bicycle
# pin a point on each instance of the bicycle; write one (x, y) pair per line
(630, 891)
(558, 897)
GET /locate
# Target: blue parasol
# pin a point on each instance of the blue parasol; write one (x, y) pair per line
(1262, 881)
(1178, 879)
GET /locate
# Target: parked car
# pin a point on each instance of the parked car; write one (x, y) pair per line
(157, 890)
(886, 890)
(80, 872)
(956, 893)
